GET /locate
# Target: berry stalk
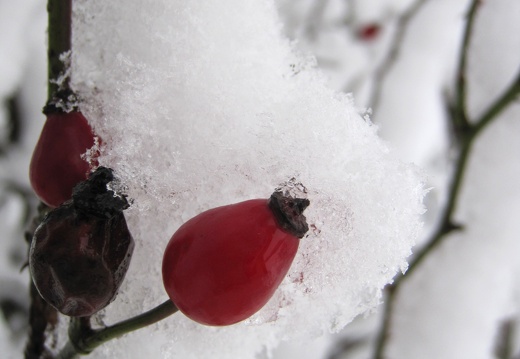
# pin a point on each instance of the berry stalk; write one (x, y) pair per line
(83, 339)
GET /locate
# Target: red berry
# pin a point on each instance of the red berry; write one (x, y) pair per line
(223, 265)
(81, 251)
(369, 32)
(56, 165)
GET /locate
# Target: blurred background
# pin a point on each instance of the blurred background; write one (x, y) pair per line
(401, 61)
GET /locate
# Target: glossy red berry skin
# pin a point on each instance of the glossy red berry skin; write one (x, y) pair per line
(56, 165)
(223, 265)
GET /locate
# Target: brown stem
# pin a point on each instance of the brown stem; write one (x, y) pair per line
(460, 119)
(468, 134)
(60, 13)
(41, 315)
(83, 339)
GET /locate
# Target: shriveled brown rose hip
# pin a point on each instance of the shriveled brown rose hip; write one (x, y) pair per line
(81, 251)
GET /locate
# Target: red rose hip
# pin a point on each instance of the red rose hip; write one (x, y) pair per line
(56, 165)
(223, 265)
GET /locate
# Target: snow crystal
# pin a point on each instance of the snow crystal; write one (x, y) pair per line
(200, 104)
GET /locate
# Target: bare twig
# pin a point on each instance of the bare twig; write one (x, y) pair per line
(447, 224)
(393, 53)
(41, 315)
(315, 18)
(460, 119)
(509, 95)
(12, 135)
(469, 132)
(83, 339)
(505, 339)
(345, 346)
(60, 14)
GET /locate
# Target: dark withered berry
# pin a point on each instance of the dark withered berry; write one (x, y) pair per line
(81, 251)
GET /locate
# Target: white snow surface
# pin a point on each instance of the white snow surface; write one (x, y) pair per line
(204, 103)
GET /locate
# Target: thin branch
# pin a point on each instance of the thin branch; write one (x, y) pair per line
(460, 119)
(42, 316)
(504, 341)
(393, 54)
(60, 13)
(467, 137)
(509, 95)
(315, 18)
(444, 228)
(83, 339)
(346, 346)
(447, 224)
(384, 331)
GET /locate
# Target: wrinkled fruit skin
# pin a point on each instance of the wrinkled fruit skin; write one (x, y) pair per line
(78, 261)
(223, 265)
(56, 165)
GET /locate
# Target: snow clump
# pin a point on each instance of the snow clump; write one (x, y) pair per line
(204, 103)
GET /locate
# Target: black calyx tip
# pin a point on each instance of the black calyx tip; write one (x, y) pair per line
(92, 196)
(62, 101)
(288, 212)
